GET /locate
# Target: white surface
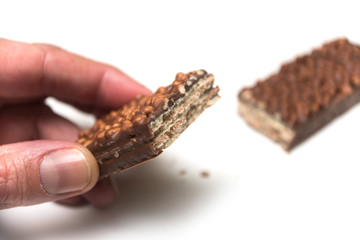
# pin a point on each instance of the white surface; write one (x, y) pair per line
(255, 189)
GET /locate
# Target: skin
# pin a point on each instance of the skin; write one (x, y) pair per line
(28, 74)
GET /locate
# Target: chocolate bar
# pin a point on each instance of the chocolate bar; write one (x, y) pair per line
(141, 129)
(306, 94)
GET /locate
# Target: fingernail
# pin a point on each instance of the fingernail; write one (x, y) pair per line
(64, 171)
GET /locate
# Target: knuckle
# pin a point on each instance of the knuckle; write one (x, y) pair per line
(47, 46)
(11, 184)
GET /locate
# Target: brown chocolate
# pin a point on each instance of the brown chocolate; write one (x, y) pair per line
(305, 94)
(141, 129)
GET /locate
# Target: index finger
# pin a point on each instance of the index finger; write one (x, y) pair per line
(31, 71)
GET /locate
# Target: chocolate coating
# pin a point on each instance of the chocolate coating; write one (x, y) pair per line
(309, 84)
(305, 95)
(123, 138)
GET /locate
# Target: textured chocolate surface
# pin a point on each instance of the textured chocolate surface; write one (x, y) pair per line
(304, 87)
(126, 137)
(309, 87)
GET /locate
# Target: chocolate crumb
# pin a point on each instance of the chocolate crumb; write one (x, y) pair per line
(204, 174)
(182, 172)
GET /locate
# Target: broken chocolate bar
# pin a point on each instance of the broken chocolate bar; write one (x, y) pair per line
(141, 129)
(305, 95)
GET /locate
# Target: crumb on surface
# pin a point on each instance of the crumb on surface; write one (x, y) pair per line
(204, 174)
(182, 172)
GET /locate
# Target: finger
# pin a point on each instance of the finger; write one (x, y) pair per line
(40, 171)
(30, 71)
(34, 121)
(102, 195)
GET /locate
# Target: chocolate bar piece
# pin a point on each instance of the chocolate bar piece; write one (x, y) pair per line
(305, 94)
(141, 129)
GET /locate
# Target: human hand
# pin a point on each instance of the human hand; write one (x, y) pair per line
(54, 168)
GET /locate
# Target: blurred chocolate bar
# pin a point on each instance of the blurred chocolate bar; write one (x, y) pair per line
(305, 95)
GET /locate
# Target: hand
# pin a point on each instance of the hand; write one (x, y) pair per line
(55, 168)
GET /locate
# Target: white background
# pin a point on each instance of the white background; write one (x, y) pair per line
(255, 190)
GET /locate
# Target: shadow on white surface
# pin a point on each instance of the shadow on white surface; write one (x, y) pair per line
(157, 192)
(159, 188)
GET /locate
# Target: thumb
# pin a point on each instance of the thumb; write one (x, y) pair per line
(40, 171)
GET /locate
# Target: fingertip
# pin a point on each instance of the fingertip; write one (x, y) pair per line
(138, 86)
(49, 170)
(93, 167)
(117, 89)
